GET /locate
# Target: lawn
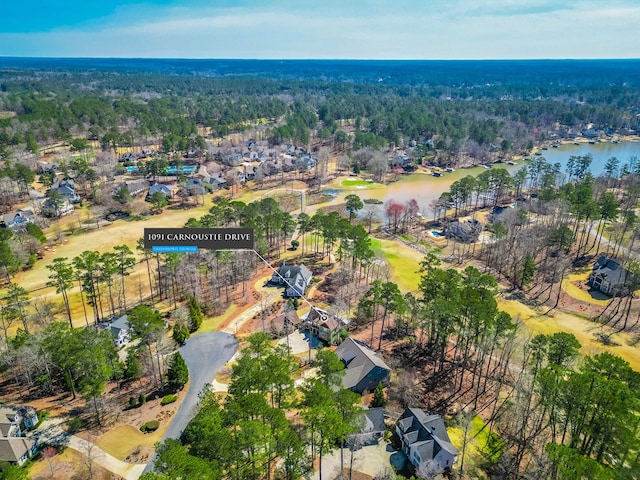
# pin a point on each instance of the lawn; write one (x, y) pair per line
(117, 233)
(584, 330)
(482, 444)
(212, 324)
(121, 441)
(404, 262)
(569, 286)
(360, 183)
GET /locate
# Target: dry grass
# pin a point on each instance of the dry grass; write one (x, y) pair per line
(123, 440)
(583, 329)
(570, 287)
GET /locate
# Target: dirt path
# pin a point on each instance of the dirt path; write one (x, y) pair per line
(51, 432)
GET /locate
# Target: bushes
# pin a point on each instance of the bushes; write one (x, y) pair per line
(75, 424)
(150, 426)
(142, 399)
(167, 399)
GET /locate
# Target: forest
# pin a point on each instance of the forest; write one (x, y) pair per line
(547, 408)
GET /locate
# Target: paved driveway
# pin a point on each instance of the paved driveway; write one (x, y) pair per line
(205, 354)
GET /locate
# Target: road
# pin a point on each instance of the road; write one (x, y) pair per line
(205, 354)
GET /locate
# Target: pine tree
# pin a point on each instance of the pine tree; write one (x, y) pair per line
(195, 315)
(378, 397)
(178, 374)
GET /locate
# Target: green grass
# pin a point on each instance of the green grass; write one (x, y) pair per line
(212, 324)
(404, 262)
(483, 446)
(360, 183)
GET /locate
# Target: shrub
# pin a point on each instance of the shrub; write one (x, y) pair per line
(133, 402)
(167, 399)
(75, 424)
(150, 426)
(142, 399)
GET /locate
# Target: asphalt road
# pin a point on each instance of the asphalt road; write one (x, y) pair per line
(205, 354)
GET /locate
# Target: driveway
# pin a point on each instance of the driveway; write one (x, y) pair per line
(205, 354)
(51, 433)
(370, 459)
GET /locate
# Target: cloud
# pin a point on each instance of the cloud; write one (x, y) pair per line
(339, 29)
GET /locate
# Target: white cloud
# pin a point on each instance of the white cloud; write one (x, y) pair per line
(441, 29)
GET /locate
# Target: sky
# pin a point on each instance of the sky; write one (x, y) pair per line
(311, 29)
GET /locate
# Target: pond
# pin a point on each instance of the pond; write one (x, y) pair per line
(425, 188)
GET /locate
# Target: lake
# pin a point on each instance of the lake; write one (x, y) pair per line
(424, 188)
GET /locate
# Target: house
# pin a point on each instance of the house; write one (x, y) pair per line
(10, 422)
(295, 278)
(67, 190)
(17, 449)
(466, 232)
(18, 220)
(13, 447)
(425, 441)
(135, 187)
(196, 186)
(364, 368)
(165, 190)
(609, 277)
(324, 326)
(128, 157)
(215, 181)
(372, 427)
(54, 208)
(120, 330)
(284, 323)
(45, 167)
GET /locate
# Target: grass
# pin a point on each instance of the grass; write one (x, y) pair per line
(583, 329)
(67, 455)
(121, 441)
(404, 262)
(569, 286)
(482, 445)
(360, 183)
(212, 324)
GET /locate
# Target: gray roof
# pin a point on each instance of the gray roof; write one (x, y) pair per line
(121, 323)
(20, 216)
(611, 270)
(299, 276)
(359, 360)
(13, 449)
(420, 427)
(374, 420)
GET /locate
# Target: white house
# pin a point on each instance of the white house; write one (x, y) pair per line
(425, 441)
(120, 330)
(13, 447)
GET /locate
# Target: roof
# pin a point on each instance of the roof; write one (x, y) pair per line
(610, 269)
(278, 323)
(13, 449)
(419, 427)
(22, 216)
(374, 418)
(121, 323)
(359, 360)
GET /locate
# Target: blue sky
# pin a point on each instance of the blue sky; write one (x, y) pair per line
(400, 29)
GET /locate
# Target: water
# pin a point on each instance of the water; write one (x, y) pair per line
(436, 233)
(331, 191)
(425, 188)
(601, 152)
